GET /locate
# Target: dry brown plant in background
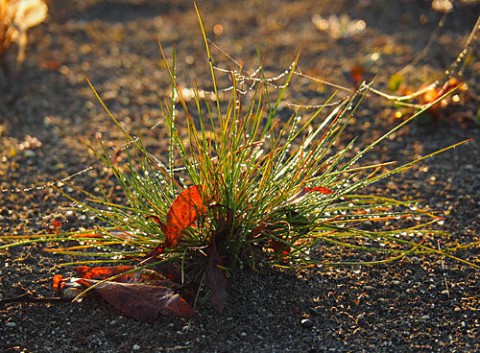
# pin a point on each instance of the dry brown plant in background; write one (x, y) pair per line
(16, 18)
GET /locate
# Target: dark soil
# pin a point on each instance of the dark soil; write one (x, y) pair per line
(425, 304)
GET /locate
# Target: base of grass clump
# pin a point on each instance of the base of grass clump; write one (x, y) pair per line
(239, 189)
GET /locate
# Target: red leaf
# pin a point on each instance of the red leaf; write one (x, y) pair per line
(280, 248)
(216, 279)
(139, 301)
(182, 213)
(162, 274)
(356, 73)
(101, 272)
(320, 189)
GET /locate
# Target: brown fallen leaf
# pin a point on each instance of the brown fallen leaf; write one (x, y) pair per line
(145, 303)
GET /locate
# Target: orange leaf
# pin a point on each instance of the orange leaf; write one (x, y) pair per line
(182, 213)
(88, 235)
(102, 272)
(320, 189)
(57, 282)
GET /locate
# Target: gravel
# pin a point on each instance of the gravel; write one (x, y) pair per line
(425, 304)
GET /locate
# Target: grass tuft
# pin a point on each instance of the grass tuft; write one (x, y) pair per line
(272, 191)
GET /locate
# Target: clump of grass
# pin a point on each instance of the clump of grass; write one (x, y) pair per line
(271, 190)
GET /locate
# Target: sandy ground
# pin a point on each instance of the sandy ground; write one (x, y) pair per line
(419, 304)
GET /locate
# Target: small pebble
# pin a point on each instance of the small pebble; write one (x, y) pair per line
(29, 153)
(415, 260)
(11, 324)
(307, 323)
(243, 334)
(136, 347)
(71, 292)
(425, 318)
(395, 282)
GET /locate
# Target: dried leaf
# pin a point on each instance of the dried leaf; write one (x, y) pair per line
(356, 73)
(141, 302)
(163, 274)
(103, 272)
(57, 282)
(144, 294)
(182, 213)
(320, 189)
(280, 249)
